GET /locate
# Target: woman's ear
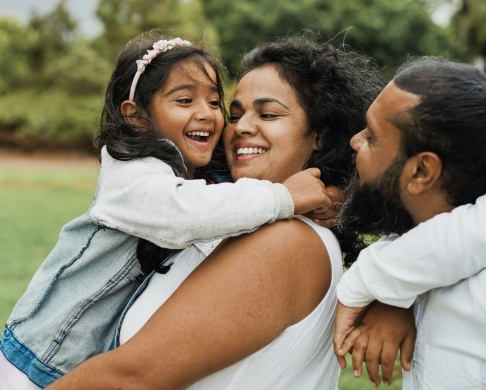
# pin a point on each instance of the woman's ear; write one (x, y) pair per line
(315, 145)
(131, 113)
(422, 172)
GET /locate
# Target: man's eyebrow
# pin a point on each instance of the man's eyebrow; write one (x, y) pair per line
(369, 124)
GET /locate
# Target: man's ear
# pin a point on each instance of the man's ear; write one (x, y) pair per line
(422, 172)
(131, 113)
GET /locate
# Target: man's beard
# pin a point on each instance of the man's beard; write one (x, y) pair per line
(375, 208)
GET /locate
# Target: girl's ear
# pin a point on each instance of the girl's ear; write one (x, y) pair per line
(422, 172)
(131, 113)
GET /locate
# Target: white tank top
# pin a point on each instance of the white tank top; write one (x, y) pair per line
(301, 357)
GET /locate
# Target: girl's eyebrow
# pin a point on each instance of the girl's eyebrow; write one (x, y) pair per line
(257, 103)
(189, 87)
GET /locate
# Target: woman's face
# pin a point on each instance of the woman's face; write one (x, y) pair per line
(186, 110)
(267, 134)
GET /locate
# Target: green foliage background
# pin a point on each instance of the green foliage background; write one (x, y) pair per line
(52, 79)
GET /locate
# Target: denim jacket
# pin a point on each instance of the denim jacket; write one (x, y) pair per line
(71, 307)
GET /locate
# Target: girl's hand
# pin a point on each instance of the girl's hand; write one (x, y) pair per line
(326, 216)
(382, 331)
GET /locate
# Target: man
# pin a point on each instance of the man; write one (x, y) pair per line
(422, 155)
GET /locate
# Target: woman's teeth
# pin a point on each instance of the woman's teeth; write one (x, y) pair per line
(240, 151)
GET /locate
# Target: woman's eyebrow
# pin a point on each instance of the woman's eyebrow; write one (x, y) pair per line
(257, 103)
(262, 101)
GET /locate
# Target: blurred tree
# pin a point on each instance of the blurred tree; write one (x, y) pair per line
(387, 30)
(53, 86)
(55, 34)
(15, 41)
(469, 26)
(123, 19)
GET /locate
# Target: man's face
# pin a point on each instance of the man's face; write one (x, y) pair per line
(373, 204)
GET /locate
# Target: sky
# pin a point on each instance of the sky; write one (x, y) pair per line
(81, 10)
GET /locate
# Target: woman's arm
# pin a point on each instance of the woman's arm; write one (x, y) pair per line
(237, 301)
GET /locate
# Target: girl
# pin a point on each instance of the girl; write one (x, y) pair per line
(160, 123)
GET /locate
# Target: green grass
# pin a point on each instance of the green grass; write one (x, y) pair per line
(35, 203)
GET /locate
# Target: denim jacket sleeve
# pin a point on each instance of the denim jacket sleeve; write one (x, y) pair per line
(437, 253)
(144, 198)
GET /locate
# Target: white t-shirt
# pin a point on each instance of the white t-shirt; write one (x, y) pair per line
(301, 357)
(13, 378)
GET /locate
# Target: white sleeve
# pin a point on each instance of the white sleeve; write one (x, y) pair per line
(437, 253)
(144, 198)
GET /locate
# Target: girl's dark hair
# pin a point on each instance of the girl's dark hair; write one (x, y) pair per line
(125, 140)
(335, 89)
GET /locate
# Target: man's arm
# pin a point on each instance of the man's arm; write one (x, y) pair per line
(437, 253)
(237, 301)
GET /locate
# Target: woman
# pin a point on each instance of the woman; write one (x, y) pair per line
(258, 311)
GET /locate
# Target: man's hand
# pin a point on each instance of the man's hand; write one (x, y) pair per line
(307, 191)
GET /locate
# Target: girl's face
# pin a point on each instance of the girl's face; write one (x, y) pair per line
(267, 134)
(186, 110)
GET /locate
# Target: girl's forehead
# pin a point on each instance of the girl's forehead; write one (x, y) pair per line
(195, 71)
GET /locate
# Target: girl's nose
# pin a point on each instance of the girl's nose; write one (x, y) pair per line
(205, 113)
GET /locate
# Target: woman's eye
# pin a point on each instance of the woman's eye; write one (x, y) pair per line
(234, 118)
(268, 116)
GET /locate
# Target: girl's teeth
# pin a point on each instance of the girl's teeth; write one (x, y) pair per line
(199, 133)
(249, 151)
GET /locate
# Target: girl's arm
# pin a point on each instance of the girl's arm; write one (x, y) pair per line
(143, 198)
(246, 293)
(437, 253)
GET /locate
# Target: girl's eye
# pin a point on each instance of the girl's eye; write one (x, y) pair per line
(215, 103)
(184, 100)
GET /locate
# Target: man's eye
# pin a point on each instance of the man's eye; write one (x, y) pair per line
(234, 118)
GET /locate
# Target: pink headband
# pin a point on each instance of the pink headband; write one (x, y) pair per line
(158, 47)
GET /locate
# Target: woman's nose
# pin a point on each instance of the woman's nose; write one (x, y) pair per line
(245, 125)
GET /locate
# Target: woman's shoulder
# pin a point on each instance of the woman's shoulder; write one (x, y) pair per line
(292, 255)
